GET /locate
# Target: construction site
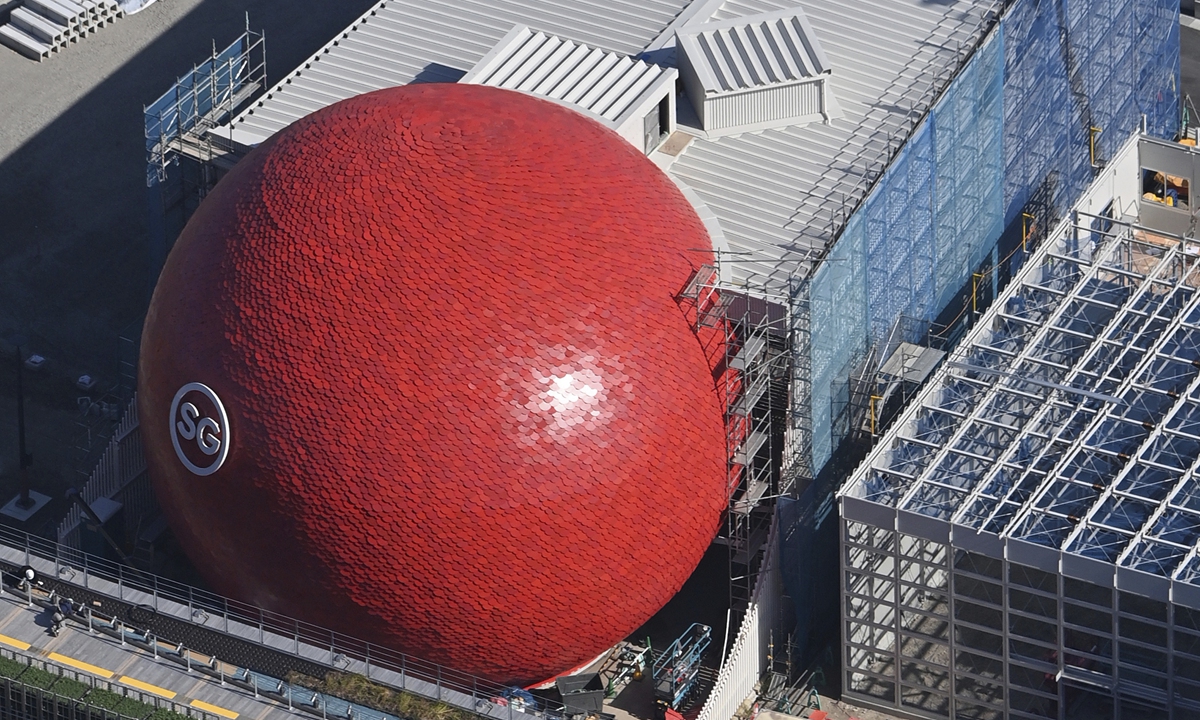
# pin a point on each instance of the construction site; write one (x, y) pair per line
(1024, 536)
(922, 256)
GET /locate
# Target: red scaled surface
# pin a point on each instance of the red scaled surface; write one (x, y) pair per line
(467, 420)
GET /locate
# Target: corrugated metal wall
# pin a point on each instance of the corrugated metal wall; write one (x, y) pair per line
(760, 106)
(1012, 128)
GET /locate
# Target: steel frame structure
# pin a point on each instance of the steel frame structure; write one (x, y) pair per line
(178, 123)
(1023, 541)
(748, 340)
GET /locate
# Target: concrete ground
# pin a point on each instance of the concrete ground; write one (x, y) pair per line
(73, 270)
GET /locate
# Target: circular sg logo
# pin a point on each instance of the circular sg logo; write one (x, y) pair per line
(199, 429)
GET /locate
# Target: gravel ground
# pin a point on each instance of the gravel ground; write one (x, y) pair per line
(73, 238)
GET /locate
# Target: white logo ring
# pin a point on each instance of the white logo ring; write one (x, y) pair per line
(212, 437)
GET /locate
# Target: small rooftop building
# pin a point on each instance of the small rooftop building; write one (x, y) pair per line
(754, 73)
(635, 98)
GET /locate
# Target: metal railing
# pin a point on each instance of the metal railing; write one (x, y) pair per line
(44, 702)
(202, 98)
(123, 460)
(276, 632)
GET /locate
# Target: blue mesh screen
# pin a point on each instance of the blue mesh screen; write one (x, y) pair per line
(196, 94)
(1017, 123)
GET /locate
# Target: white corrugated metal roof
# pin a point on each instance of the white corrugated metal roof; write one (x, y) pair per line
(602, 83)
(401, 41)
(750, 52)
(775, 192)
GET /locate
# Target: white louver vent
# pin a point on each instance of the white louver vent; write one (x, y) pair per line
(630, 96)
(755, 73)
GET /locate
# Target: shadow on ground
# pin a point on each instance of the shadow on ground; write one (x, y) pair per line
(73, 230)
(703, 599)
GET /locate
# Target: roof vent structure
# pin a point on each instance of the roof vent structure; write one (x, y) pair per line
(630, 96)
(755, 73)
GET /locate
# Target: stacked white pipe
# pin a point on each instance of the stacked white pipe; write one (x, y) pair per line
(41, 27)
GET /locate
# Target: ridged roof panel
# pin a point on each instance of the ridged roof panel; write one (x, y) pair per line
(402, 41)
(774, 192)
(756, 51)
(601, 82)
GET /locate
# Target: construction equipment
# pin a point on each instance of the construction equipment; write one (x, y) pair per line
(677, 669)
(628, 663)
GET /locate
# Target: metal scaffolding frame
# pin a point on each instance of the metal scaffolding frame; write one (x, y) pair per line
(185, 157)
(747, 336)
(1024, 541)
(178, 123)
(1083, 384)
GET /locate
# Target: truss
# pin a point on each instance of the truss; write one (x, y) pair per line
(1071, 418)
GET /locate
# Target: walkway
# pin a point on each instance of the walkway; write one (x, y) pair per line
(25, 629)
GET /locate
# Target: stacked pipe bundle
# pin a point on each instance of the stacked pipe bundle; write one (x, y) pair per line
(40, 27)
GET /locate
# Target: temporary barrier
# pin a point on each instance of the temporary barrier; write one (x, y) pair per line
(747, 658)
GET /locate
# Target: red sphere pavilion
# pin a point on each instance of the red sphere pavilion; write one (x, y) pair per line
(414, 372)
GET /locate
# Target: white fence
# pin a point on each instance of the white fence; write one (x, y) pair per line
(747, 659)
(122, 461)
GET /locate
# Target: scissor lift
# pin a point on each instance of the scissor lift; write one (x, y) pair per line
(629, 662)
(677, 670)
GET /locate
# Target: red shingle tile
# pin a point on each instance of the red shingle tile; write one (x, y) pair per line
(468, 421)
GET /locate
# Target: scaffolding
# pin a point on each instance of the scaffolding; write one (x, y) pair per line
(1035, 107)
(894, 371)
(178, 122)
(184, 155)
(747, 340)
(1023, 542)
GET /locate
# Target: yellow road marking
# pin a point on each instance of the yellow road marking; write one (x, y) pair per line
(80, 665)
(168, 694)
(214, 709)
(18, 644)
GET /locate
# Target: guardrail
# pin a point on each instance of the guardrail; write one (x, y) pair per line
(279, 633)
(77, 697)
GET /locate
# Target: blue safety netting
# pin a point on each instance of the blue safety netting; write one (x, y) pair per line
(1057, 86)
